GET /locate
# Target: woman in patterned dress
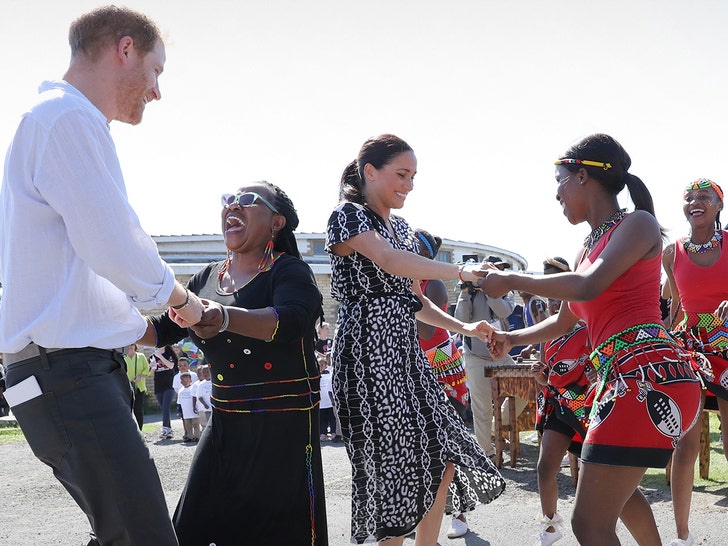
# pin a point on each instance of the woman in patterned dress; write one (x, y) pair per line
(648, 394)
(697, 273)
(405, 441)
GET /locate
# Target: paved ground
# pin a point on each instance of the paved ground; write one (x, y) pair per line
(37, 511)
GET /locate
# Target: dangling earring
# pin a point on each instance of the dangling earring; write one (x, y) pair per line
(225, 265)
(266, 262)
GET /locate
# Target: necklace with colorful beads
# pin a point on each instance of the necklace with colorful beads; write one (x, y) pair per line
(603, 228)
(703, 247)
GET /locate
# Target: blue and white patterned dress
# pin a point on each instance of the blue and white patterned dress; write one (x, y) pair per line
(398, 425)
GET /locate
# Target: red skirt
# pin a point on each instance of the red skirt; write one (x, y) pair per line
(648, 397)
(564, 398)
(706, 334)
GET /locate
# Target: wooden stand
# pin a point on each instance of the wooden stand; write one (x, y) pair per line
(510, 381)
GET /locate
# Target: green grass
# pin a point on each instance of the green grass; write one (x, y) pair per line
(11, 435)
(717, 475)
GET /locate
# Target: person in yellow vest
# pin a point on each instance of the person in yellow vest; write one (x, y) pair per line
(137, 370)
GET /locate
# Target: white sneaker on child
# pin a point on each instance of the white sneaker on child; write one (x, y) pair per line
(546, 538)
(684, 541)
(457, 528)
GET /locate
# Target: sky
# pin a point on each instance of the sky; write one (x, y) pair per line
(488, 93)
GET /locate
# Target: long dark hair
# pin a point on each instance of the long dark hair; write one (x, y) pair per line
(605, 149)
(378, 151)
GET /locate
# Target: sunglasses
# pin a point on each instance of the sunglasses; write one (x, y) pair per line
(246, 199)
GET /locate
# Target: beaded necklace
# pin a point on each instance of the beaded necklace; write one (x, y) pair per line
(603, 228)
(714, 242)
(266, 263)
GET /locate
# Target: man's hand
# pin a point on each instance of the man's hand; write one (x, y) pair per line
(190, 314)
(211, 321)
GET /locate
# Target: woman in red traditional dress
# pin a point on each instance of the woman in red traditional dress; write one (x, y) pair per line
(697, 269)
(648, 394)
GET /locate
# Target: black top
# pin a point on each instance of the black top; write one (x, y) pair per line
(250, 374)
(164, 377)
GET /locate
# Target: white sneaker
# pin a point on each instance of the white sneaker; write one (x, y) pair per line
(684, 541)
(457, 528)
(546, 538)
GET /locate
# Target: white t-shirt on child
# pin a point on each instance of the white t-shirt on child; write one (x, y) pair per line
(184, 399)
(204, 391)
(326, 390)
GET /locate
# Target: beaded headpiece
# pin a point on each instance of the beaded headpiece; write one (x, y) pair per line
(704, 183)
(421, 237)
(605, 166)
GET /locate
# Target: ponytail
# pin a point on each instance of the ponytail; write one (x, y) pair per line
(351, 186)
(639, 194)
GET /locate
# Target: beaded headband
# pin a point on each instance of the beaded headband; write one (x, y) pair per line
(424, 240)
(703, 184)
(605, 166)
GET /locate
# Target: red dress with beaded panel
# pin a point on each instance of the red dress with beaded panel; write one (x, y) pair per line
(648, 395)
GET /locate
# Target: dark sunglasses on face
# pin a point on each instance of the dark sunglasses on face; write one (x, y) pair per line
(246, 199)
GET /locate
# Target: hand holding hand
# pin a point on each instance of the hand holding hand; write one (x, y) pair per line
(500, 344)
(211, 320)
(482, 330)
(475, 272)
(538, 371)
(189, 314)
(496, 283)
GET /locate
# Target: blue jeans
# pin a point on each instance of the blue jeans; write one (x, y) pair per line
(164, 399)
(82, 427)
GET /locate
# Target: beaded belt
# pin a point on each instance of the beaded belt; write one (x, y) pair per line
(715, 331)
(639, 334)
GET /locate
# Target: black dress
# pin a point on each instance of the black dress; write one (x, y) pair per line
(256, 478)
(397, 423)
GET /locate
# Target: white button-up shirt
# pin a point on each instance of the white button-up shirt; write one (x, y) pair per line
(75, 263)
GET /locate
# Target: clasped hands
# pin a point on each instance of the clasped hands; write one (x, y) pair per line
(491, 280)
(210, 317)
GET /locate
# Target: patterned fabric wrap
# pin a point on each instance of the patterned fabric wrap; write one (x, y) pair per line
(564, 398)
(652, 378)
(447, 363)
(399, 428)
(706, 335)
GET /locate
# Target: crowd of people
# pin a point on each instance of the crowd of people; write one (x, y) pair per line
(621, 388)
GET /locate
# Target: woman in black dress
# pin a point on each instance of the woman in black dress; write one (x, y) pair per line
(405, 440)
(256, 478)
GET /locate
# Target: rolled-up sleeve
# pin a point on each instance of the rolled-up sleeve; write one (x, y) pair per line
(87, 192)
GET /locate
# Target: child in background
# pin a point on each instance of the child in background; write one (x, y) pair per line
(327, 415)
(187, 409)
(201, 396)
